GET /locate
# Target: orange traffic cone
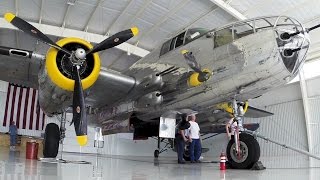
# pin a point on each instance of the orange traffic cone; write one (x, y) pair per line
(223, 161)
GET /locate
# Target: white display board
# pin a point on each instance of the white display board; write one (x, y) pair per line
(167, 127)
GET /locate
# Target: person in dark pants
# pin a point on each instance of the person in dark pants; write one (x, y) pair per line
(13, 135)
(194, 139)
(180, 137)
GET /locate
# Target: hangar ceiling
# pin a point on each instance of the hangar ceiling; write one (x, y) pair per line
(157, 20)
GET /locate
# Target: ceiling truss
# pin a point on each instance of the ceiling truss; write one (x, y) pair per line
(66, 32)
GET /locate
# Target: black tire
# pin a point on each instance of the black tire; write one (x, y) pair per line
(51, 141)
(251, 145)
(156, 153)
(186, 153)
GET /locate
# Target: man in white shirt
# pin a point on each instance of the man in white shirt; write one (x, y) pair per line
(194, 138)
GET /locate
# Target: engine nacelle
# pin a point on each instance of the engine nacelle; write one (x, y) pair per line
(151, 99)
(55, 78)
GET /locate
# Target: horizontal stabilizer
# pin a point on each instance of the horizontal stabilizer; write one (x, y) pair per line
(253, 112)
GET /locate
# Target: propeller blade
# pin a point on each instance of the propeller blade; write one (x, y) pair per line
(193, 64)
(115, 40)
(31, 30)
(79, 114)
(191, 61)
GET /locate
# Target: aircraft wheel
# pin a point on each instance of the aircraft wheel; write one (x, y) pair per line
(250, 152)
(51, 141)
(186, 154)
(156, 153)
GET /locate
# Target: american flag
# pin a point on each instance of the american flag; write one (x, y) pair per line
(23, 108)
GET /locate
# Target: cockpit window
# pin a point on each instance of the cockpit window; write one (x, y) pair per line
(165, 47)
(179, 41)
(182, 39)
(222, 37)
(242, 30)
(172, 43)
(193, 34)
(227, 35)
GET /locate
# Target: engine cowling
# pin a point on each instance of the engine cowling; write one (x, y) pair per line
(59, 67)
(55, 81)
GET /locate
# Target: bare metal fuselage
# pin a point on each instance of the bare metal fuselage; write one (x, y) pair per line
(245, 67)
(249, 67)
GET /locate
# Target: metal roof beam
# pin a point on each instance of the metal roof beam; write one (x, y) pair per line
(65, 16)
(91, 15)
(169, 14)
(66, 32)
(41, 11)
(107, 32)
(16, 7)
(233, 12)
(202, 16)
(140, 11)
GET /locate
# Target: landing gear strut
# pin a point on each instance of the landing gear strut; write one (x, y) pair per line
(159, 150)
(243, 150)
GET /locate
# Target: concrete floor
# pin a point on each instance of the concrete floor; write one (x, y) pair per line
(13, 165)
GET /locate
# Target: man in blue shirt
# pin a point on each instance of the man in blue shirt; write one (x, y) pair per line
(13, 135)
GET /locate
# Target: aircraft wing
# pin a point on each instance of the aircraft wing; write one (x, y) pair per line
(215, 122)
(19, 70)
(24, 72)
(253, 112)
(109, 88)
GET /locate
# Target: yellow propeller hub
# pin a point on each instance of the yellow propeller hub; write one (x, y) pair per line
(193, 80)
(184, 51)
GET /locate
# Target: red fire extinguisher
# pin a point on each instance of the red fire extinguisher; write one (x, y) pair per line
(223, 161)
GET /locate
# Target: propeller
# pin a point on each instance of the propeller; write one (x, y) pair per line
(194, 65)
(31, 30)
(76, 57)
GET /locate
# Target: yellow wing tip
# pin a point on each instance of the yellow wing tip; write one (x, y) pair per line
(9, 16)
(184, 51)
(82, 140)
(135, 31)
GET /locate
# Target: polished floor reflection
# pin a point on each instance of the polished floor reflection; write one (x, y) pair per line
(13, 165)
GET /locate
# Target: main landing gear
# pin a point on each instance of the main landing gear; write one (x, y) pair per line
(243, 150)
(53, 136)
(248, 152)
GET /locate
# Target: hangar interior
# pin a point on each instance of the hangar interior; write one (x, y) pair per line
(295, 106)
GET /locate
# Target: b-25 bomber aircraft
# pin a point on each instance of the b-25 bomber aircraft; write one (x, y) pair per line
(214, 72)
